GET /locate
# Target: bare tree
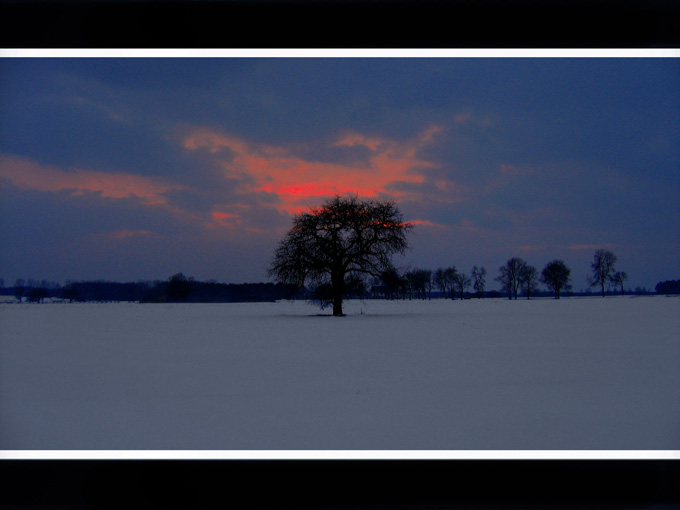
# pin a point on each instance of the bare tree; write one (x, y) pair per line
(462, 283)
(393, 283)
(529, 279)
(510, 276)
(419, 282)
(439, 280)
(450, 276)
(423, 276)
(603, 265)
(619, 278)
(478, 280)
(344, 237)
(556, 276)
(19, 288)
(429, 284)
(444, 279)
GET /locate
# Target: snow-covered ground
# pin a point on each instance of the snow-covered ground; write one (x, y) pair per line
(580, 373)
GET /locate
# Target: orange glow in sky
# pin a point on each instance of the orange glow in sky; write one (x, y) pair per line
(26, 174)
(299, 182)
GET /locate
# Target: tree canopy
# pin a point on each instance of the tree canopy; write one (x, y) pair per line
(343, 239)
(556, 276)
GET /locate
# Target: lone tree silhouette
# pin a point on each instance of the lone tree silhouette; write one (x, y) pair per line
(619, 278)
(343, 239)
(479, 280)
(556, 276)
(511, 275)
(602, 267)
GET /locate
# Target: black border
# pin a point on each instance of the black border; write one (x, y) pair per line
(351, 484)
(340, 484)
(339, 23)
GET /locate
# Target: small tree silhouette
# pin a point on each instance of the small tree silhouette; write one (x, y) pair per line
(556, 276)
(602, 267)
(619, 279)
(511, 276)
(178, 287)
(478, 280)
(528, 276)
(462, 283)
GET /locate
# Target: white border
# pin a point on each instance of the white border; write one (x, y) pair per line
(339, 53)
(340, 455)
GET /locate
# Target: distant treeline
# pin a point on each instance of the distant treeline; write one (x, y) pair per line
(177, 288)
(181, 289)
(668, 287)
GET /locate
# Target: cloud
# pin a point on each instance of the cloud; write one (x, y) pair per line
(426, 223)
(123, 234)
(30, 175)
(298, 181)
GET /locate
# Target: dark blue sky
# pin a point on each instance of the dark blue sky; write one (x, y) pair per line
(129, 169)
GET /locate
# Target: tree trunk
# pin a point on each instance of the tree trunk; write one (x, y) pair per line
(337, 306)
(337, 283)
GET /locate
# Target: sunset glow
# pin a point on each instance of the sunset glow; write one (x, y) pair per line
(26, 174)
(143, 167)
(297, 182)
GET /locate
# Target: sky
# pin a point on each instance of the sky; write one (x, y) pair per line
(131, 169)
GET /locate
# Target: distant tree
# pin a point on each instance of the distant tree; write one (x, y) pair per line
(395, 284)
(528, 277)
(37, 294)
(461, 282)
(411, 283)
(668, 287)
(556, 276)
(619, 278)
(438, 280)
(344, 236)
(478, 280)
(69, 292)
(510, 276)
(429, 284)
(178, 287)
(418, 281)
(602, 266)
(19, 288)
(445, 279)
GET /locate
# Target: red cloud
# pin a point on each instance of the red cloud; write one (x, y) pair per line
(298, 182)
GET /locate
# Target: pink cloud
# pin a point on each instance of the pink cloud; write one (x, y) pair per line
(299, 182)
(27, 174)
(427, 223)
(225, 219)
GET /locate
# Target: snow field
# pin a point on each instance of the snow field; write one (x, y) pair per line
(580, 373)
